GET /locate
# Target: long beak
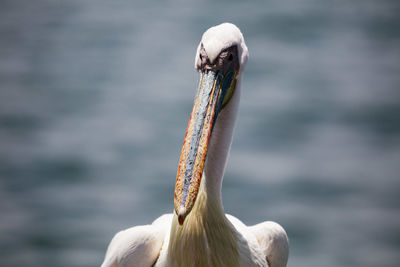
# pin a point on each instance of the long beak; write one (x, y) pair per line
(214, 91)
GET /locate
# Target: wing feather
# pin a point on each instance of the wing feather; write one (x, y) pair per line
(136, 246)
(273, 241)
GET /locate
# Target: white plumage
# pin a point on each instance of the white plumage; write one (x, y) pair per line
(264, 244)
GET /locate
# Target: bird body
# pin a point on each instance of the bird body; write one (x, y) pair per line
(199, 233)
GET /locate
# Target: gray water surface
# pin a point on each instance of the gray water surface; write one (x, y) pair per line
(95, 97)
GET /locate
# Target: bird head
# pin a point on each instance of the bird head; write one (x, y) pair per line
(220, 60)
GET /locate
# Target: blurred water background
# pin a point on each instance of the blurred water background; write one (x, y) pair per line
(95, 97)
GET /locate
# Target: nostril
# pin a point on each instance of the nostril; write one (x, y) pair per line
(201, 57)
(230, 58)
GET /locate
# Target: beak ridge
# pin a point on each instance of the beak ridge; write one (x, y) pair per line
(209, 100)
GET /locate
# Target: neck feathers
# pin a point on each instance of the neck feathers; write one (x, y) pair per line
(206, 238)
(220, 144)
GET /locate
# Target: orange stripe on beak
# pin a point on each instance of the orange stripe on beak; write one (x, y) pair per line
(214, 92)
(195, 146)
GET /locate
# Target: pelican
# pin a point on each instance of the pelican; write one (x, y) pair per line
(198, 233)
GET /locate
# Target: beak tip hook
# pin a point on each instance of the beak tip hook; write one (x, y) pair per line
(181, 215)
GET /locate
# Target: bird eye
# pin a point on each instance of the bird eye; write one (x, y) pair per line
(230, 58)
